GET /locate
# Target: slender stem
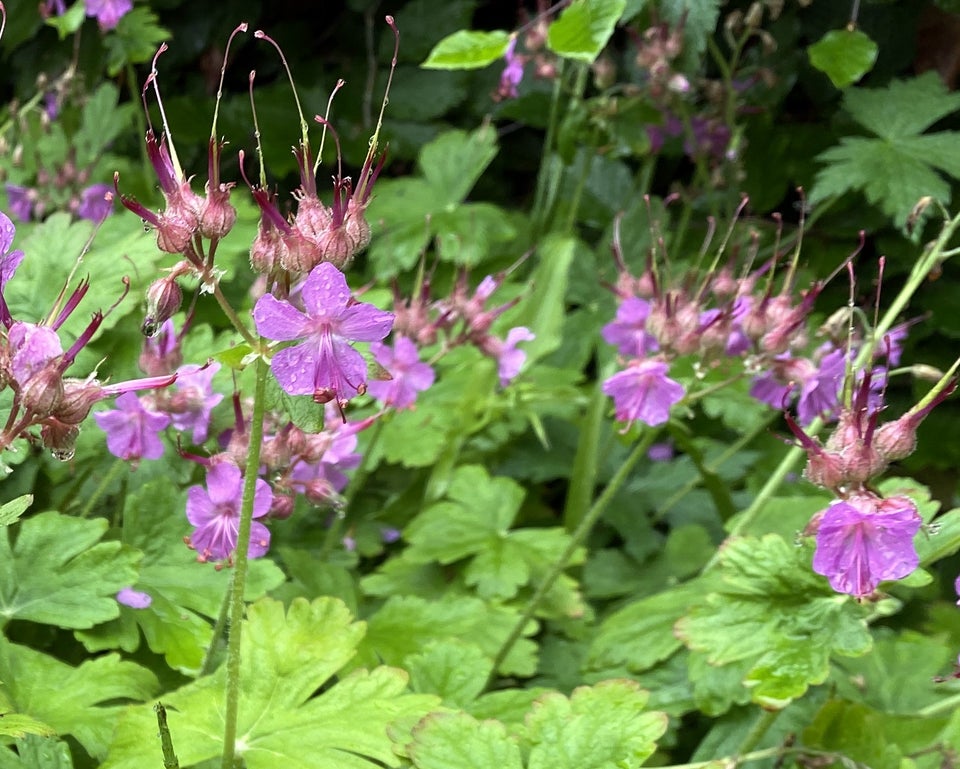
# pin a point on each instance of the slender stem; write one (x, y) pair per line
(758, 730)
(576, 539)
(98, 492)
(232, 316)
(586, 461)
(918, 275)
(232, 697)
(540, 195)
(756, 755)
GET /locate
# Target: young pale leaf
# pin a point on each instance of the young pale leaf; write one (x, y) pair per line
(287, 657)
(13, 509)
(59, 573)
(468, 49)
(772, 611)
(70, 699)
(459, 741)
(843, 55)
(17, 725)
(597, 727)
(584, 28)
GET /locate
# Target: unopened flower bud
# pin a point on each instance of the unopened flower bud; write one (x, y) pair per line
(164, 298)
(282, 506)
(217, 216)
(43, 392)
(79, 396)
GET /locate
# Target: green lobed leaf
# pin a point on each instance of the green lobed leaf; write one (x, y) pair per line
(58, 572)
(854, 731)
(598, 727)
(453, 669)
(583, 28)
(772, 612)
(468, 49)
(454, 161)
(71, 699)
(288, 655)
(405, 624)
(844, 55)
(459, 741)
(134, 40)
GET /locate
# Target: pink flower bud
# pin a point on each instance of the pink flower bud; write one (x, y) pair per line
(42, 393)
(164, 298)
(217, 216)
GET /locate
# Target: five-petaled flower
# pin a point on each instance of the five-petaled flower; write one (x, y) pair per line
(409, 374)
(132, 430)
(324, 364)
(215, 512)
(643, 392)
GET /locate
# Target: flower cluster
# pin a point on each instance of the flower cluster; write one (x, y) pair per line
(863, 538)
(33, 364)
(107, 12)
(462, 318)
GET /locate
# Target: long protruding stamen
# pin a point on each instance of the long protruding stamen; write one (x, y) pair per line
(336, 139)
(174, 160)
(326, 121)
(362, 190)
(214, 141)
(3, 19)
(304, 127)
(256, 134)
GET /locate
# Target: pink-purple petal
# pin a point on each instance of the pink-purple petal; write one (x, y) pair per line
(325, 292)
(279, 320)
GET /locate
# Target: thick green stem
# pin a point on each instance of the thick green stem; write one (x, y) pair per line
(921, 269)
(583, 478)
(760, 728)
(166, 741)
(576, 539)
(237, 586)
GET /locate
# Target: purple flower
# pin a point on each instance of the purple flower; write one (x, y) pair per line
(660, 452)
(94, 203)
(410, 374)
(57, 7)
(108, 12)
(820, 390)
(190, 406)
(767, 388)
(865, 540)
(19, 200)
(132, 430)
(510, 359)
(323, 364)
(9, 260)
(134, 598)
(512, 74)
(215, 512)
(628, 332)
(643, 392)
(31, 348)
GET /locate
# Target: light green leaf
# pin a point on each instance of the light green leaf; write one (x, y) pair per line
(35, 752)
(58, 572)
(474, 522)
(287, 657)
(459, 741)
(455, 670)
(18, 725)
(71, 699)
(844, 56)
(583, 28)
(598, 727)
(640, 634)
(774, 613)
(902, 108)
(468, 49)
(454, 161)
(13, 509)
(405, 624)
